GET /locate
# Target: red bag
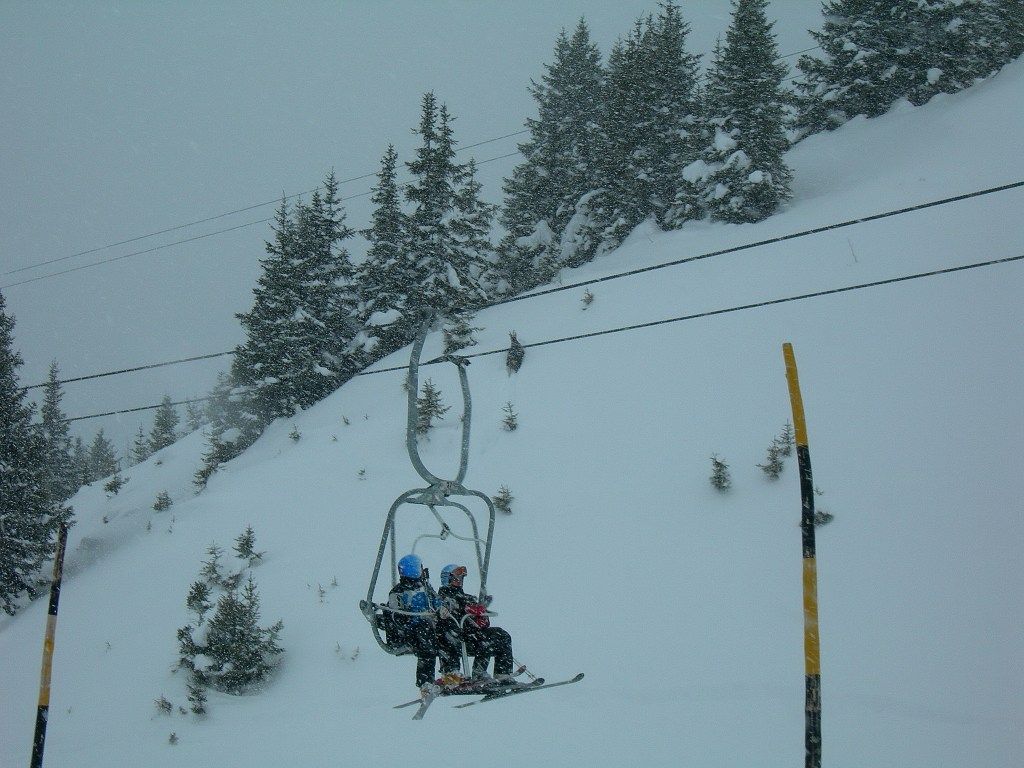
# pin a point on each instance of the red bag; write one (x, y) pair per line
(478, 615)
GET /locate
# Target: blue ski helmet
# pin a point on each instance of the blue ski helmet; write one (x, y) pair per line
(450, 570)
(410, 566)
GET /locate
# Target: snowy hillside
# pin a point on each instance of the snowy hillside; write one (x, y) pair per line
(682, 605)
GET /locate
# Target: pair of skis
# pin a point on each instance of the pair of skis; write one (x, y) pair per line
(489, 691)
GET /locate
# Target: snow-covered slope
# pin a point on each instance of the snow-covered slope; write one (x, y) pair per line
(682, 605)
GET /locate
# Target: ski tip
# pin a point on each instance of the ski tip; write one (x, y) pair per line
(578, 678)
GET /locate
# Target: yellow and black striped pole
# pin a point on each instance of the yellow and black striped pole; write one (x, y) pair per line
(42, 714)
(812, 645)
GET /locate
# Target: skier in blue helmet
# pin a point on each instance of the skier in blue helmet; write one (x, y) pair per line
(413, 616)
(465, 620)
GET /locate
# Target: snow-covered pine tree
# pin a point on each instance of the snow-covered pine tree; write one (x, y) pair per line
(63, 481)
(471, 224)
(165, 424)
(303, 332)
(786, 440)
(212, 570)
(773, 465)
(458, 334)
(745, 108)
(874, 52)
(674, 124)
(103, 460)
(720, 477)
(559, 166)
(510, 422)
(429, 406)
(29, 515)
(240, 652)
(861, 66)
(382, 282)
(958, 41)
(621, 199)
(163, 501)
(650, 131)
(516, 353)
(446, 274)
(503, 500)
(245, 547)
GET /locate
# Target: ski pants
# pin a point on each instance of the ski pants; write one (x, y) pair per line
(483, 645)
(421, 637)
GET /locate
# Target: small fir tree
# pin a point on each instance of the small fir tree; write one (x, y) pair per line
(503, 500)
(786, 440)
(245, 546)
(163, 501)
(772, 466)
(212, 570)
(115, 484)
(240, 652)
(196, 697)
(588, 299)
(429, 407)
(720, 477)
(516, 353)
(511, 421)
(458, 335)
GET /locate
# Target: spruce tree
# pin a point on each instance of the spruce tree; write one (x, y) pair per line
(503, 500)
(446, 266)
(429, 406)
(651, 131)
(458, 334)
(745, 108)
(303, 334)
(245, 547)
(62, 482)
(103, 460)
(720, 477)
(165, 422)
(516, 353)
(773, 465)
(240, 651)
(382, 274)
(559, 167)
(29, 514)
